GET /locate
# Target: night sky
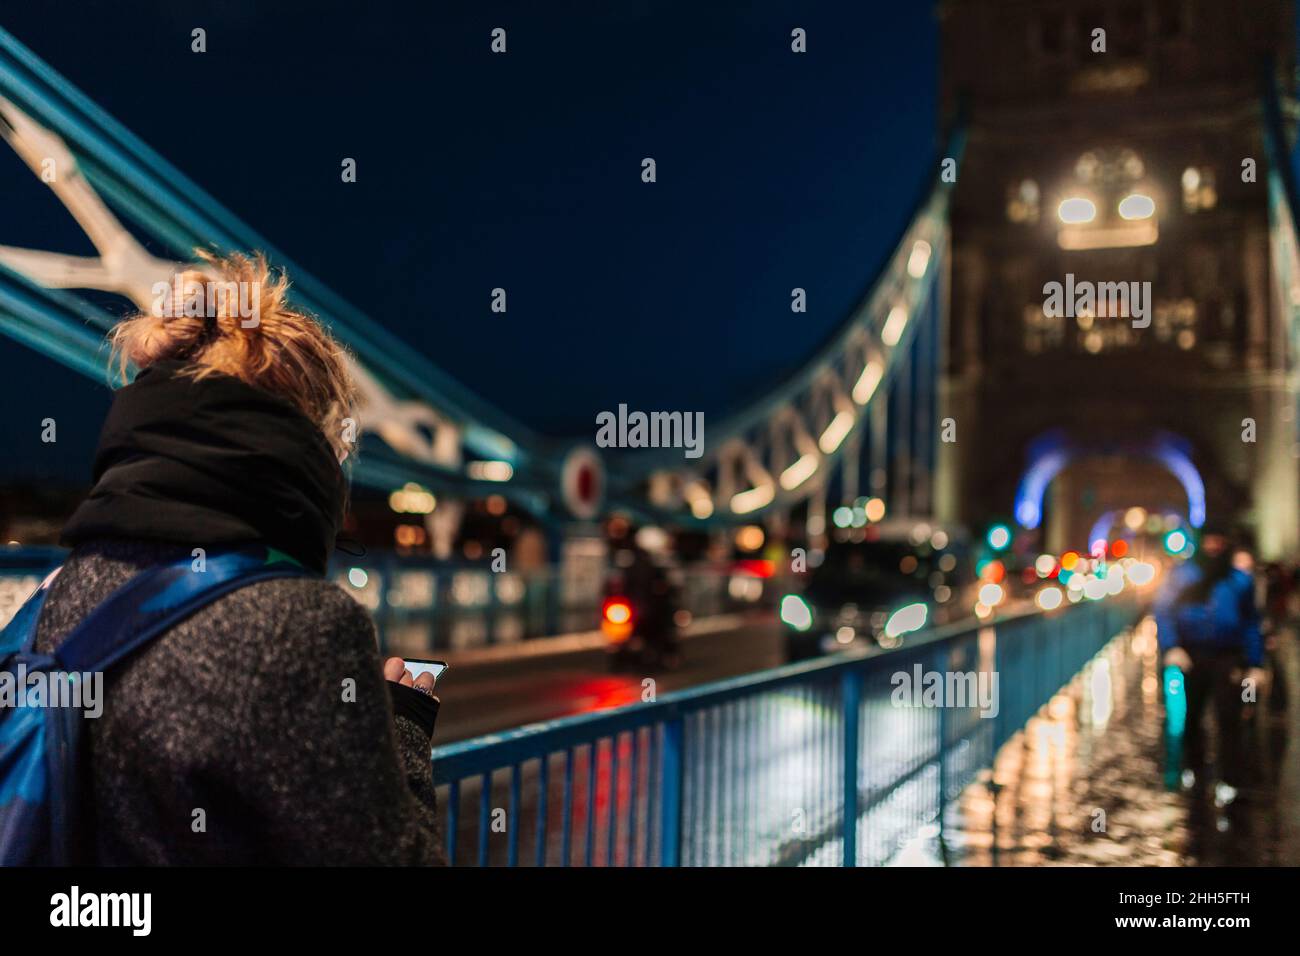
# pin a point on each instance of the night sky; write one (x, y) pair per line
(522, 171)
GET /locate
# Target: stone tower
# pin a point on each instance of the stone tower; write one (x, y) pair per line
(1108, 144)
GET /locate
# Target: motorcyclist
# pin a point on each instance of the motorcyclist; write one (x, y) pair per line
(654, 600)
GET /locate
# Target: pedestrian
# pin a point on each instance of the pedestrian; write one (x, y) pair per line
(263, 729)
(1208, 626)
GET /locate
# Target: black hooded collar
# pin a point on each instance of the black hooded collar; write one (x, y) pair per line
(210, 463)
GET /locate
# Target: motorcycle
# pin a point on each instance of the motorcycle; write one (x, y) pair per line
(626, 639)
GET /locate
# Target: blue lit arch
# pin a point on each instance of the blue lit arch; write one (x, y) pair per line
(1050, 454)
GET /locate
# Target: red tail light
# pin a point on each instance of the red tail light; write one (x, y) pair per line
(618, 611)
(616, 619)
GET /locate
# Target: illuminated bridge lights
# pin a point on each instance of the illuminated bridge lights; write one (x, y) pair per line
(746, 501)
(892, 332)
(799, 472)
(1082, 230)
(836, 431)
(919, 260)
(412, 499)
(1076, 209)
(1137, 206)
(867, 382)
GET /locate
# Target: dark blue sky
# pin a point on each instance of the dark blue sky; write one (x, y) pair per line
(520, 171)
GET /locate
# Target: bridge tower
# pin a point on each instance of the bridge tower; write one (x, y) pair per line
(1164, 106)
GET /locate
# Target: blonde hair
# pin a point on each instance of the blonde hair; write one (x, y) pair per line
(283, 351)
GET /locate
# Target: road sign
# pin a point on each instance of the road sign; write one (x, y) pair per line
(582, 482)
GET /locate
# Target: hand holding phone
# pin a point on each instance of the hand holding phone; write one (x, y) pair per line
(416, 666)
(407, 672)
(419, 676)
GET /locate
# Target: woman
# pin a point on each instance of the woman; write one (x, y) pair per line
(261, 729)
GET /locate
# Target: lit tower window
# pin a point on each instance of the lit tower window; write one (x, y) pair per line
(1022, 201)
(1108, 204)
(1199, 193)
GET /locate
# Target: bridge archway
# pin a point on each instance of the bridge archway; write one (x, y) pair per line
(1087, 480)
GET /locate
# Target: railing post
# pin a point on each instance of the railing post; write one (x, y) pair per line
(941, 662)
(851, 700)
(999, 668)
(670, 782)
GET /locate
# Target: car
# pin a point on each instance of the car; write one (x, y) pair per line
(875, 585)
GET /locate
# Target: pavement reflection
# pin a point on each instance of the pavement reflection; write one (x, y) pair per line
(1084, 784)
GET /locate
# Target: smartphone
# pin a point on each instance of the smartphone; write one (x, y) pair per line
(418, 667)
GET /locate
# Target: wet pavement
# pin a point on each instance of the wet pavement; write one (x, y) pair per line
(1084, 784)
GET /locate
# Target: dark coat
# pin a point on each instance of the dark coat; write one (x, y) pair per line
(240, 712)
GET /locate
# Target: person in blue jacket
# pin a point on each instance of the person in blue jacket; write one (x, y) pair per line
(1208, 625)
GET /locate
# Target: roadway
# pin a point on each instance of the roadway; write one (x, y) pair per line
(486, 693)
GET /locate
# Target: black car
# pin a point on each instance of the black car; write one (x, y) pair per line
(874, 587)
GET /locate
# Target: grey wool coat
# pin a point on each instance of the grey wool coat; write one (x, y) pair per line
(230, 738)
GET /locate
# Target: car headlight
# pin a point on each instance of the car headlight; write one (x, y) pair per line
(906, 619)
(796, 612)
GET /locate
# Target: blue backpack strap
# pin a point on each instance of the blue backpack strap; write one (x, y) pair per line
(159, 598)
(41, 815)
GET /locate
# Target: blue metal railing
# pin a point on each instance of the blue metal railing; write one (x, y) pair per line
(819, 763)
